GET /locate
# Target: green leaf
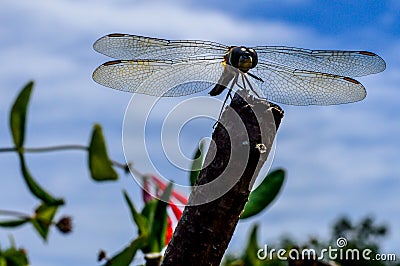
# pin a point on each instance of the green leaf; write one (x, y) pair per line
(13, 257)
(43, 219)
(99, 163)
(264, 194)
(250, 255)
(149, 211)
(125, 257)
(196, 165)
(140, 220)
(159, 223)
(14, 223)
(18, 116)
(34, 187)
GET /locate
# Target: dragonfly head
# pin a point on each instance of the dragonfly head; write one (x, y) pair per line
(242, 58)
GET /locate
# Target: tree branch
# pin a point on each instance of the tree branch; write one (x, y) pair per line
(223, 186)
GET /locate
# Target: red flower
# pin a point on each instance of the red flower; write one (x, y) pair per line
(160, 186)
(146, 187)
(177, 212)
(175, 194)
(169, 232)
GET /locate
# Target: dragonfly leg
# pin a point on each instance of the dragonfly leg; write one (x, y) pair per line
(244, 83)
(228, 95)
(240, 86)
(251, 87)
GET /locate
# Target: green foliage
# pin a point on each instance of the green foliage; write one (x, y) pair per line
(43, 219)
(264, 194)
(159, 223)
(125, 257)
(363, 235)
(44, 214)
(196, 165)
(140, 220)
(100, 164)
(35, 188)
(14, 223)
(152, 223)
(13, 257)
(250, 255)
(359, 236)
(18, 116)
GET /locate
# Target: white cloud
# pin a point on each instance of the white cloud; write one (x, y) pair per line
(72, 19)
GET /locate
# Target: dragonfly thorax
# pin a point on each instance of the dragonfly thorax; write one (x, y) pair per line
(242, 58)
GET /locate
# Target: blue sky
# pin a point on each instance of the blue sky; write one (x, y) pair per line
(339, 159)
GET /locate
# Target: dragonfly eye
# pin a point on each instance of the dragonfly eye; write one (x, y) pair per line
(254, 56)
(243, 58)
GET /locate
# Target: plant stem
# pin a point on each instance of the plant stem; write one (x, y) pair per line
(47, 149)
(60, 148)
(14, 213)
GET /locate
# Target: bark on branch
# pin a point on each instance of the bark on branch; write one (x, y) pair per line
(243, 140)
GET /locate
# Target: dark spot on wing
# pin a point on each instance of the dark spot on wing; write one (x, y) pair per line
(112, 63)
(367, 53)
(116, 35)
(351, 80)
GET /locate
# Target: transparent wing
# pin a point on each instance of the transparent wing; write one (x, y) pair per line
(342, 63)
(160, 78)
(300, 87)
(127, 75)
(126, 47)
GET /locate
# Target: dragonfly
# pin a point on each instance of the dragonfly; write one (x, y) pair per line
(286, 75)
